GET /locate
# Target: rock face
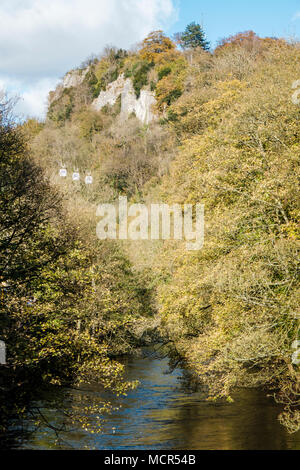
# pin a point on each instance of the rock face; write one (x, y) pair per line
(110, 96)
(142, 106)
(74, 78)
(71, 79)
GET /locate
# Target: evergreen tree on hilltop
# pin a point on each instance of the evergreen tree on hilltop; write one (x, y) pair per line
(193, 37)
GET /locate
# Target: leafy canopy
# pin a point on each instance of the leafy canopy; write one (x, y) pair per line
(155, 44)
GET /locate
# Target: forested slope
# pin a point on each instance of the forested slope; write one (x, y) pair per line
(233, 308)
(226, 136)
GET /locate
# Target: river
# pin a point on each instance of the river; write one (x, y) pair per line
(163, 413)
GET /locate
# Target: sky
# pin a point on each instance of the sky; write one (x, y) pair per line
(40, 40)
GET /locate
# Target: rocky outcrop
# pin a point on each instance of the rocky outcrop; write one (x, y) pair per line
(74, 78)
(142, 107)
(110, 96)
(71, 79)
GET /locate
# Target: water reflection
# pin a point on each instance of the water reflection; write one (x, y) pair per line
(163, 414)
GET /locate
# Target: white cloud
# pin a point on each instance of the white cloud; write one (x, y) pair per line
(33, 101)
(40, 40)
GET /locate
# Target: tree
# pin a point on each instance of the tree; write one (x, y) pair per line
(193, 37)
(246, 39)
(27, 204)
(52, 294)
(239, 157)
(155, 44)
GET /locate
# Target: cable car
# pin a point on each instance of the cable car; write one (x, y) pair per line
(89, 179)
(63, 172)
(76, 176)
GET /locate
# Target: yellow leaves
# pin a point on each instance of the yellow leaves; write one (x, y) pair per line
(170, 88)
(101, 68)
(227, 94)
(155, 44)
(240, 156)
(292, 228)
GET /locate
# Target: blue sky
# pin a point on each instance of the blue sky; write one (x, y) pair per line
(40, 40)
(222, 18)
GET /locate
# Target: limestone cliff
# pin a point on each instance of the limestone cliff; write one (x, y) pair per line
(142, 106)
(72, 79)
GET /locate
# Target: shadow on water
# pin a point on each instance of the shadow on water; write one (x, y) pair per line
(162, 413)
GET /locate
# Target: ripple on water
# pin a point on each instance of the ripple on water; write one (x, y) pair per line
(161, 414)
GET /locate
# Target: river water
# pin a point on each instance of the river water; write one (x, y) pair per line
(163, 413)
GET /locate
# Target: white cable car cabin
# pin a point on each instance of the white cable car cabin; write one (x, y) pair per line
(76, 176)
(63, 173)
(88, 179)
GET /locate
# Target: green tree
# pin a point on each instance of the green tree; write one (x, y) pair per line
(61, 310)
(193, 37)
